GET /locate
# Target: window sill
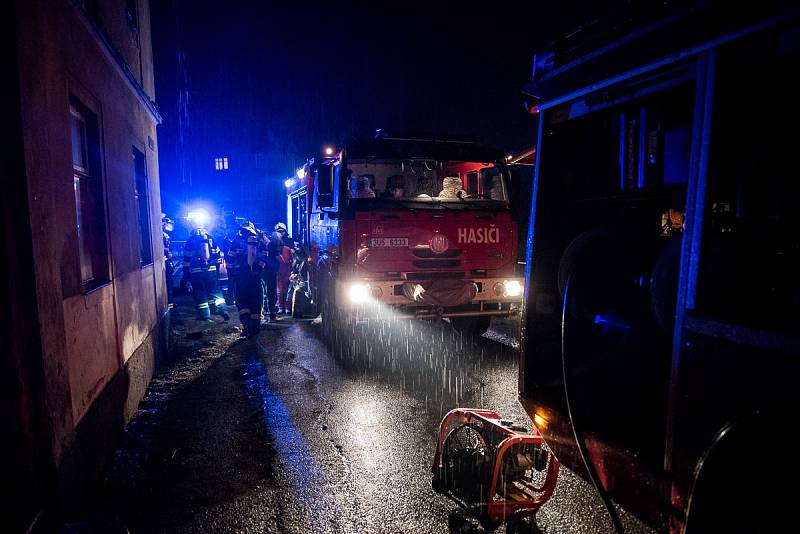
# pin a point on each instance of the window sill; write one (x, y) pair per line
(93, 286)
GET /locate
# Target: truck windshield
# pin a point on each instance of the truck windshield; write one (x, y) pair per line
(426, 183)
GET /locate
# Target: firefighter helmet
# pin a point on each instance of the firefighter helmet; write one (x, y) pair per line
(166, 223)
(247, 228)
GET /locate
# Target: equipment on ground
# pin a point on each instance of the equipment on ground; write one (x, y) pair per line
(496, 470)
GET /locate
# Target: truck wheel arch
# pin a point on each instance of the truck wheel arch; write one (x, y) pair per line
(737, 482)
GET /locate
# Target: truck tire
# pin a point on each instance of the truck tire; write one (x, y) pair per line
(473, 327)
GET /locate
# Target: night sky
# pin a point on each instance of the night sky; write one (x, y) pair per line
(283, 79)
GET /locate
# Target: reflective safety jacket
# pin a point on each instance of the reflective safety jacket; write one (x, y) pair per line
(200, 254)
(247, 252)
(167, 246)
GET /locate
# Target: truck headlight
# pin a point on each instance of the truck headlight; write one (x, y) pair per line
(512, 288)
(358, 293)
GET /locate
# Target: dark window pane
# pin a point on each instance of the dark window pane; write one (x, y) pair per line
(750, 260)
(493, 185)
(83, 235)
(143, 207)
(472, 183)
(78, 132)
(90, 222)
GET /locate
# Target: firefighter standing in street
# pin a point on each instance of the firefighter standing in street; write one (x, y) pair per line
(167, 226)
(229, 287)
(284, 273)
(245, 260)
(270, 273)
(202, 259)
(284, 270)
(236, 251)
(222, 281)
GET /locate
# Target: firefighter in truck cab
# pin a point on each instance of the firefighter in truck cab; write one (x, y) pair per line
(421, 226)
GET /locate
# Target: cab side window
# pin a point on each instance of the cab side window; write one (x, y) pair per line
(750, 258)
(472, 183)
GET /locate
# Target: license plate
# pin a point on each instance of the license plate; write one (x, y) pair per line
(388, 242)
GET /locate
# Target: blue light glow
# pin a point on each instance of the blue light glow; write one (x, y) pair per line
(199, 217)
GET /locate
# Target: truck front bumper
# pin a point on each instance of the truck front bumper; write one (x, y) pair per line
(490, 309)
(397, 297)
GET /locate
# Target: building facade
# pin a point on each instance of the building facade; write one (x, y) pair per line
(87, 313)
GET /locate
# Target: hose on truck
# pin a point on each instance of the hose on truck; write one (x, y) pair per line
(576, 429)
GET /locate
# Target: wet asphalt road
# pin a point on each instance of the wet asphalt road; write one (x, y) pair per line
(279, 433)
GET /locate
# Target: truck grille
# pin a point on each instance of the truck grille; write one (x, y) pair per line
(428, 253)
(436, 264)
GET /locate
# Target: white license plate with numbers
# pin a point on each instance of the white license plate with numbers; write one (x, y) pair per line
(388, 242)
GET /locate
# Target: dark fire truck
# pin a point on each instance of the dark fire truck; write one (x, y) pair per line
(661, 349)
(410, 227)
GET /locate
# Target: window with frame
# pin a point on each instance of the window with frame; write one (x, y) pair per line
(221, 164)
(750, 253)
(142, 194)
(90, 220)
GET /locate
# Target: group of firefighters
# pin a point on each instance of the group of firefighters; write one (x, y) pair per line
(256, 271)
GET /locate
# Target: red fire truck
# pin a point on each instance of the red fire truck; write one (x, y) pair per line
(412, 227)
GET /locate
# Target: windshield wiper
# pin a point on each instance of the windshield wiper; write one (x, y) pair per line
(426, 202)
